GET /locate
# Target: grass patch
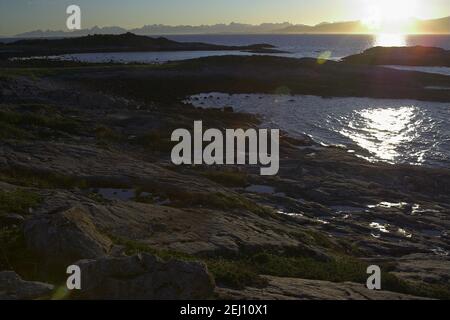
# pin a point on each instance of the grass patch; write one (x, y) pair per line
(32, 178)
(242, 271)
(235, 274)
(340, 269)
(231, 273)
(32, 120)
(133, 247)
(227, 178)
(155, 141)
(18, 201)
(106, 134)
(217, 200)
(14, 254)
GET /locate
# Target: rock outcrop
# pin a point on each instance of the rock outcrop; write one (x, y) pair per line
(405, 56)
(12, 287)
(65, 237)
(302, 289)
(144, 277)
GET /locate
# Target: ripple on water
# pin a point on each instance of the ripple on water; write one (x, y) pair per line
(380, 226)
(390, 130)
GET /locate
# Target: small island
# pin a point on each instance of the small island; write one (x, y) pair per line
(402, 56)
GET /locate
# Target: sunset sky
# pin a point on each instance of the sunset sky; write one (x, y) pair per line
(25, 15)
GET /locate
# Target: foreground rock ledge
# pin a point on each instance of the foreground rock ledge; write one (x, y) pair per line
(12, 287)
(144, 277)
(65, 237)
(302, 289)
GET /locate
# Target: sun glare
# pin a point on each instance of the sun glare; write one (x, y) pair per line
(391, 16)
(390, 40)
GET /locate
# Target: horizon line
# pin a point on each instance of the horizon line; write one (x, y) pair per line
(225, 24)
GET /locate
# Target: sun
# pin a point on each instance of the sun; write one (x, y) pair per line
(391, 16)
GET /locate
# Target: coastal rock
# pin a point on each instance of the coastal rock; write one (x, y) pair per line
(126, 42)
(65, 237)
(302, 289)
(11, 219)
(425, 268)
(406, 56)
(144, 277)
(191, 231)
(12, 287)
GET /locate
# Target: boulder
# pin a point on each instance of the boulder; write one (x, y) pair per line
(12, 287)
(65, 237)
(11, 219)
(144, 277)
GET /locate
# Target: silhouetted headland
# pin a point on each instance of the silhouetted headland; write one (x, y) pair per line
(127, 42)
(403, 56)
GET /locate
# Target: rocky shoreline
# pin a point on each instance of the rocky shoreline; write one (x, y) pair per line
(127, 42)
(402, 56)
(86, 177)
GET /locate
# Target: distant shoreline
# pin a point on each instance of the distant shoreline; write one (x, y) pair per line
(236, 34)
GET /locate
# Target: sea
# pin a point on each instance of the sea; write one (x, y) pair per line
(295, 45)
(389, 130)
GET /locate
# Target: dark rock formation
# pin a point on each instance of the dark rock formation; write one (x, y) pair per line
(302, 289)
(144, 277)
(11, 219)
(65, 237)
(126, 42)
(12, 287)
(404, 56)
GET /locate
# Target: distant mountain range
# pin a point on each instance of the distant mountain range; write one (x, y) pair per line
(441, 26)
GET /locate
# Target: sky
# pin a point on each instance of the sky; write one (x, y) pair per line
(18, 16)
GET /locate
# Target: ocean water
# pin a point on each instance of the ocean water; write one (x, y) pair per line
(307, 45)
(297, 46)
(394, 131)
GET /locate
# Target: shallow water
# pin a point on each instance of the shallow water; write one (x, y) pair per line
(142, 57)
(116, 194)
(395, 131)
(260, 189)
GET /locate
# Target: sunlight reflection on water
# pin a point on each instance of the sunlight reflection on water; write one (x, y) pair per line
(395, 131)
(382, 131)
(390, 40)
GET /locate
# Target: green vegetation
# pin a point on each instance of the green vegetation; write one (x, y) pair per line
(18, 201)
(32, 178)
(14, 254)
(235, 274)
(241, 271)
(105, 134)
(35, 120)
(217, 200)
(155, 141)
(228, 178)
